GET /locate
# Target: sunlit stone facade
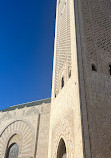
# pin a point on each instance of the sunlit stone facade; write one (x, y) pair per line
(81, 88)
(76, 123)
(26, 125)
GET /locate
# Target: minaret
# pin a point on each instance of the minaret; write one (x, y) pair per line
(65, 121)
(80, 122)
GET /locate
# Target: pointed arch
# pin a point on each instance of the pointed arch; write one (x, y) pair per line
(61, 151)
(26, 133)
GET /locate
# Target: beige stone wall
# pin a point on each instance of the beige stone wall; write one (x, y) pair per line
(81, 110)
(93, 18)
(65, 120)
(91, 45)
(43, 136)
(31, 126)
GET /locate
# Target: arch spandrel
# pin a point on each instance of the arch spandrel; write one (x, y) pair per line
(26, 134)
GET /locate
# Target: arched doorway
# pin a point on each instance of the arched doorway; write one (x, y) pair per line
(15, 133)
(13, 151)
(61, 152)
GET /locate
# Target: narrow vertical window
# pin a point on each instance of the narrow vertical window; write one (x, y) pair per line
(69, 73)
(94, 67)
(62, 82)
(110, 69)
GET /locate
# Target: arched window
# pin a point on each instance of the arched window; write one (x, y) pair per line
(62, 82)
(13, 151)
(94, 67)
(110, 69)
(61, 152)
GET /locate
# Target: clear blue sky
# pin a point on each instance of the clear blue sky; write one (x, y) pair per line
(26, 50)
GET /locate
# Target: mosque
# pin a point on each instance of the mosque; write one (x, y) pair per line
(76, 121)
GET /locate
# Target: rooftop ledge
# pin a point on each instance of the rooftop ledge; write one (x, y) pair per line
(29, 104)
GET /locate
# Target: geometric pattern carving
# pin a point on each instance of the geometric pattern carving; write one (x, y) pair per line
(6, 116)
(63, 44)
(100, 135)
(105, 137)
(26, 134)
(97, 27)
(32, 111)
(63, 130)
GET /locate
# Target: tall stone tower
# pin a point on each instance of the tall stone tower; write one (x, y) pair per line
(80, 123)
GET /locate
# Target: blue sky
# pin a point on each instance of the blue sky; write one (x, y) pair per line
(26, 50)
